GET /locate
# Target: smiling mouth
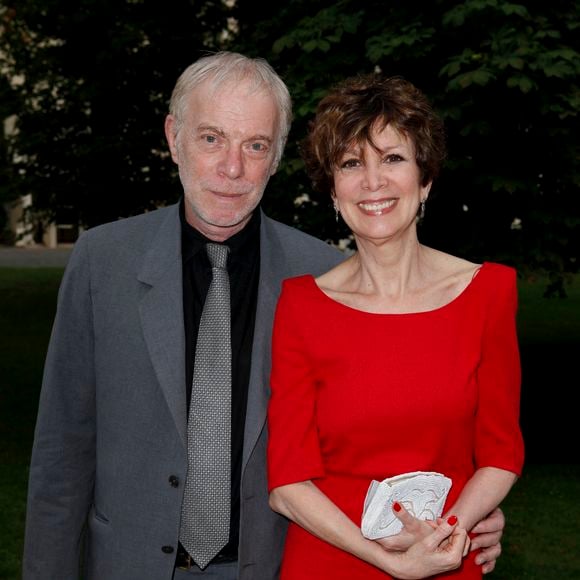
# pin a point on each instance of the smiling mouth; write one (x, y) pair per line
(377, 206)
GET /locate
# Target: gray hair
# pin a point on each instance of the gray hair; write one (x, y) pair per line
(224, 66)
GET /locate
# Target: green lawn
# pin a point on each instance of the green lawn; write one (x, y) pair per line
(542, 538)
(27, 306)
(543, 534)
(548, 320)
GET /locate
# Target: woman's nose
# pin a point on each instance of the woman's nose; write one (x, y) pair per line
(374, 177)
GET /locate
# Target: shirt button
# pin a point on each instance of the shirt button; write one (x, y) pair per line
(173, 481)
(167, 549)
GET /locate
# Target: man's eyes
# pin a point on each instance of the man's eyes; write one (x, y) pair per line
(258, 147)
(250, 147)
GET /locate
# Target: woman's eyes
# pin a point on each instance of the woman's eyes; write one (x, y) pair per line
(354, 162)
(350, 163)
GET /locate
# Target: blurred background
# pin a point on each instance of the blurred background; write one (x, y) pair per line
(84, 90)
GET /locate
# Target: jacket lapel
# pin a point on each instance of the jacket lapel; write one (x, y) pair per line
(272, 272)
(161, 310)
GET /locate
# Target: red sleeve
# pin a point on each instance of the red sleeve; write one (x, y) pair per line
(293, 447)
(498, 438)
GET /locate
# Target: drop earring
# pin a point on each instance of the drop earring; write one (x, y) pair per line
(336, 212)
(422, 210)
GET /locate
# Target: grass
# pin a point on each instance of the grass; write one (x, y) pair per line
(548, 320)
(549, 332)
(543, 532)
(27, 306)
(543, 513)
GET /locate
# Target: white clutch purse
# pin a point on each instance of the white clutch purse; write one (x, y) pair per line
(421, 493)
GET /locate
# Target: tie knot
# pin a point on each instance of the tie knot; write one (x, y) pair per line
(217, 254)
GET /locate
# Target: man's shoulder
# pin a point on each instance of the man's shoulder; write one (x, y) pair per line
(125, 242)
(298, 251)
(292, 235)
(144, 223)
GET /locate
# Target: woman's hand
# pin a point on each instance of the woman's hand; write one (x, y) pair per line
(441, 551)
(414, 530)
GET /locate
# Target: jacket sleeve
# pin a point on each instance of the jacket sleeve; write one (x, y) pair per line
(61, 479)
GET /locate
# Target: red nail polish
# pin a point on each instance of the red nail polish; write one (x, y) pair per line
(452, 520)
(397, 506)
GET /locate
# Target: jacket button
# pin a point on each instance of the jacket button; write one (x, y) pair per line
(173, 481)
(167, 549)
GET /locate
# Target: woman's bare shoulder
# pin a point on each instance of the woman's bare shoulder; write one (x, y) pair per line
(450, 266)
(336, 277)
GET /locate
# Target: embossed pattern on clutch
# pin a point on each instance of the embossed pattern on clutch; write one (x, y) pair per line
(421, 493)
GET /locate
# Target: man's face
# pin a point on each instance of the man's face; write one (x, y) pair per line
(225, 150)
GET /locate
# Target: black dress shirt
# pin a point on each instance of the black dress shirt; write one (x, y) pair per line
(243, 268)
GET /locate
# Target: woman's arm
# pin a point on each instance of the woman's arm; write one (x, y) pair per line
(306, 505)
(499, 448)
(482, 494)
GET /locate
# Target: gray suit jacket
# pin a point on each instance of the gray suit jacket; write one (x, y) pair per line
(111, 428)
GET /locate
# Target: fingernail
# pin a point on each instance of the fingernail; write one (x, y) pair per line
(397, 506)
(452, 520)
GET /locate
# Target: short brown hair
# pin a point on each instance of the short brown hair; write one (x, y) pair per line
(350, 112)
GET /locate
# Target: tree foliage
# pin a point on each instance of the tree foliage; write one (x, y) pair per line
(90, 81)
(503, 75)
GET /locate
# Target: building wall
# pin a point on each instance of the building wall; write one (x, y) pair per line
(27, 233)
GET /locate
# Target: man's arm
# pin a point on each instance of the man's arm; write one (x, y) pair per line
(62, 467)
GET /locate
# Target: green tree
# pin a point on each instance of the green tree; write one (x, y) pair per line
(92, 80)
(503, 75)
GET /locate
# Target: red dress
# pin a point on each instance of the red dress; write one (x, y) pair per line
(358, 396)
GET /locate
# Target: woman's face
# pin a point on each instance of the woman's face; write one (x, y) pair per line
(378, 192)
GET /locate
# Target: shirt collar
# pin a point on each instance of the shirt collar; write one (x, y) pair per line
(242, 245)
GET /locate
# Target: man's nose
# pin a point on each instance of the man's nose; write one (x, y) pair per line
(232, 163)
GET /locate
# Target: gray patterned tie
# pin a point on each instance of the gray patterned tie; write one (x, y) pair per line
(205, 513)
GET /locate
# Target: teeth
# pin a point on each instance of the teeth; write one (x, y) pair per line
(377, 206)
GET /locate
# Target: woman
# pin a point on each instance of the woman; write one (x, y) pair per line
(402, 358)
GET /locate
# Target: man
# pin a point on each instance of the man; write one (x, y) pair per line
(109, 472)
